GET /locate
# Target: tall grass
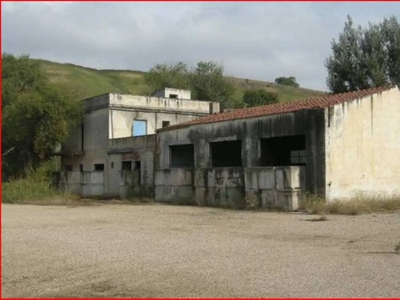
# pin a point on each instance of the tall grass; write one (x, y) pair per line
(354, 206)
(36, 188)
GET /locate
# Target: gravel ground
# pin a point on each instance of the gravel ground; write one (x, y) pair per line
(176, 251)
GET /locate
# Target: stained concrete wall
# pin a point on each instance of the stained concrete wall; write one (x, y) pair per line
(363, 146)
(174, 185)
(131, 149)
(277, 187)
(145, 103)
(86, 184)
(308, 122)
(222, 187)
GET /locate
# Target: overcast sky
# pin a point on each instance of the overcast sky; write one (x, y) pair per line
(252, 40)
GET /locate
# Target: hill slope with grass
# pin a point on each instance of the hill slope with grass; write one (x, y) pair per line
(87, 82)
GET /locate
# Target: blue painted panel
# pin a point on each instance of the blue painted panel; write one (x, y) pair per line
(139, 128)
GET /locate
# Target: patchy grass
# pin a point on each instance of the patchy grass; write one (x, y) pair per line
(355, 206)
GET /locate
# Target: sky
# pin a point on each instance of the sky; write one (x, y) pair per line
(251, 40)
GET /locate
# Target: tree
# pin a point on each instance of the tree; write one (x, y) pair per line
(209, 83)
(365, 57)
(168, 75)
(291, 81)
(206, 80)
(37, 116)
(259, 97)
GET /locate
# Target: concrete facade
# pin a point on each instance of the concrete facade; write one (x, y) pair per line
(349, 148)
(362, 145)
(337, 147)
(106, 142)
(231, 185)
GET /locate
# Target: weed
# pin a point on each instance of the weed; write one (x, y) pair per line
(354, 206)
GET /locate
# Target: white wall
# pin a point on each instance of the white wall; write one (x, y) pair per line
(121, 121)
(363, 146)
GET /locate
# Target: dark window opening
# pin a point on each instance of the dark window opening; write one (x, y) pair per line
(112, 165)
(99, 167)
(283, 151)
(126, 166)
(137, 166)
(226, 154)
(173, 96)
(165, 123)
(68, 168)
(182, 156)
(81, 168)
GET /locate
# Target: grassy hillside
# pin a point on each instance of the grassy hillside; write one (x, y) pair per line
(87, 82)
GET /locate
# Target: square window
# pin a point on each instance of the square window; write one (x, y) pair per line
(139, 127)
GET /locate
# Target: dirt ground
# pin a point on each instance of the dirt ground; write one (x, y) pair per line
(177, 251)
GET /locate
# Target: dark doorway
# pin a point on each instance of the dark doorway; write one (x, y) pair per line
(226, 154)
(182, 156)
(283, 151)
(68, 168)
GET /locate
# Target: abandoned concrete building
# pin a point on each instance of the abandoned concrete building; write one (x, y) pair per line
(112, 153)
(337, 146)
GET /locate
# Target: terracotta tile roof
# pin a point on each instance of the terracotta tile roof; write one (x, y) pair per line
(280, 108)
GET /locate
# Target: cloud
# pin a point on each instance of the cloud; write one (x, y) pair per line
(253, 40)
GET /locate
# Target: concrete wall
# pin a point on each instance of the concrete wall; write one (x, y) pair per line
(275, 187)
(363, 146)
(95, 144)
(309, 123)
(144, 103)
(86, 184)
(223, 187)
(174, 185)
(130, 149)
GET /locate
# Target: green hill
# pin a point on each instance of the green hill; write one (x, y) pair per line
(87, 82)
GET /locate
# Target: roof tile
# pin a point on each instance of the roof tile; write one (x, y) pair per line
(280, 108)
